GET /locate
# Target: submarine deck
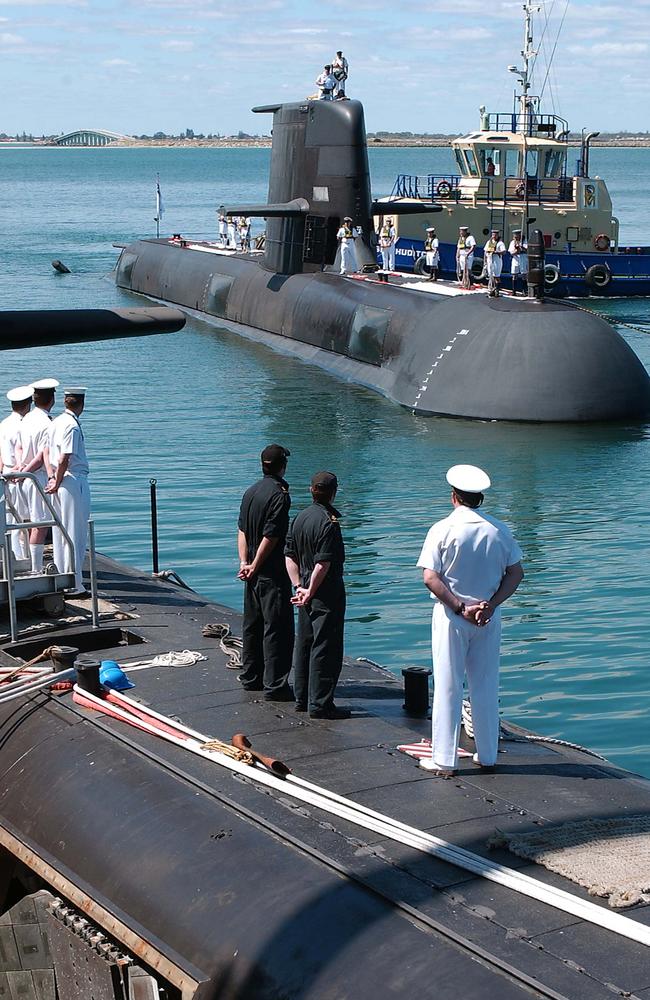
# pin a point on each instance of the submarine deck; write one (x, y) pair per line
(534, 785)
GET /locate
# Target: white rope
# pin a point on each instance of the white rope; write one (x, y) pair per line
(186, 658)
(36, 685)
(376, 822)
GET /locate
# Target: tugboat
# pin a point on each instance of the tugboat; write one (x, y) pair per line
(516, 172)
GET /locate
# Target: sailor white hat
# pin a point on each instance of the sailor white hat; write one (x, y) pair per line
(468, 478)
(20, 394)
(431, 229)
(45, 383)
(75, 390)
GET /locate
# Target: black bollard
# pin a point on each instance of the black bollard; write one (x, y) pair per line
(64, 656)
(416, 690)
(536, 265)
(87, 668)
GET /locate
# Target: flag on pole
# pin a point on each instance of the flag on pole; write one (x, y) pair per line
(159, 202)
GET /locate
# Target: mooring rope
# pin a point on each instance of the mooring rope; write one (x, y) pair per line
(230, 644)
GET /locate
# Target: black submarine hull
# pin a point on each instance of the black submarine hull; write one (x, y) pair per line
(462, 356)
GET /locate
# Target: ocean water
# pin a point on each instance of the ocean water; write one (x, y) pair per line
(194, 409)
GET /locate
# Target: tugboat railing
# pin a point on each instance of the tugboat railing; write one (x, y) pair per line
(532, 124)
(490, 190)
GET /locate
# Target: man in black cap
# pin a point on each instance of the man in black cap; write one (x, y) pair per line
(268, 628)
(315, 555)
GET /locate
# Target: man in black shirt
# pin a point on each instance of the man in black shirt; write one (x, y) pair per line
(315, 555)
(268, 627)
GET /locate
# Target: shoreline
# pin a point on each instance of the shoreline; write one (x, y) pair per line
(265, 143)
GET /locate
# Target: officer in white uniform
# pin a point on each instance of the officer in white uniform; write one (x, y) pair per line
(70, 484)
(432, 253)
(223, 229)
(346, 237)
(35, 444)
(464, 256)
(493, 252)
(11, 457)
(387, 241)
(471, 565)
(232, 237)
(518, 250)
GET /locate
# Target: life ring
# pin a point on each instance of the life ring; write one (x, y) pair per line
(598, 276)
(551, 275)
(478, 267)
(520, 190)
(444, 189)
(602, 242)
(420, 266)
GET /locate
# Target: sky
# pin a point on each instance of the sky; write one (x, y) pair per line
(166, 65)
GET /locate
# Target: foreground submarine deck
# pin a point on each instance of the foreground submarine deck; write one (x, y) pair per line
(249, 894)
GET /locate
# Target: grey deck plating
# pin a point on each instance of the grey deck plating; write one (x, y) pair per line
(257, 896)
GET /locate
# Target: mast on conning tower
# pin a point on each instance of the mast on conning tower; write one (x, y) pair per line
(528, 53)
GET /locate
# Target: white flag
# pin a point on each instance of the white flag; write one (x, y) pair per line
(159, 202)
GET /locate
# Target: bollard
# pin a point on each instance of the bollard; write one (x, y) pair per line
(64, 656)
(416, 690)
(87, 668)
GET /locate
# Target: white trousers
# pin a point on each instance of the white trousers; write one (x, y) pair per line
(432, 258)
(493, 265)
(460, 648)
(385, 258)
(73, 505)
(348, 258)
(391, 257)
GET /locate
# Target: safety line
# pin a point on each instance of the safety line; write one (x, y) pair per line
(119, 706)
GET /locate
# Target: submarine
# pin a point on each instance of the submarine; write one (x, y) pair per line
(435, 351)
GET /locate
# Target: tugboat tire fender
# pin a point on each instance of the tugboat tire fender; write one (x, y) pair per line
(551, 275)
(602, 242)
(444, 189)
(598, 276)
(520, 190)
(420, 266)
(478, 267)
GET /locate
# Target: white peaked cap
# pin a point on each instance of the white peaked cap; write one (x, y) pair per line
(468, 479)
(75, 390)
(45, 383)
(431, 229)
(20, 394)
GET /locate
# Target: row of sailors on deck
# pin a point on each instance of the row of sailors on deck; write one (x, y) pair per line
(493, 252)
(234, 232)
(54, 452)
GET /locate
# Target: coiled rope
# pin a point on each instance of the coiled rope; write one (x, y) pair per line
(229, 644)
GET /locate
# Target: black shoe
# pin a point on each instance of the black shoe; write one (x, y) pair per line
(299, 707)
(283, 694)
(249, 687)
(331, 713)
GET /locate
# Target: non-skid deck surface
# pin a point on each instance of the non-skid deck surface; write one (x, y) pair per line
(535, 784)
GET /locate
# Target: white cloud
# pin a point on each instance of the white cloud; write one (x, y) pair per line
(6, 38)
(610, 49)
(116, 62)
(177, 44)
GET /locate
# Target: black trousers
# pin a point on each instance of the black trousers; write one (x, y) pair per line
(267, 634)
(318, 655)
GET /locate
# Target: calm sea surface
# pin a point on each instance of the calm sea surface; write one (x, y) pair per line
(194, 409)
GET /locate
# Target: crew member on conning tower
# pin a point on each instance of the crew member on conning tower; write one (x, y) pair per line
(69, 485)
(326, 83)
(346, 237)
(340, 74)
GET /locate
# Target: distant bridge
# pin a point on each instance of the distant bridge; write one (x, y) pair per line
(89, 137)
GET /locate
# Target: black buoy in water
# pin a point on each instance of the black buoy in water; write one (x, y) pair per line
(60, 267)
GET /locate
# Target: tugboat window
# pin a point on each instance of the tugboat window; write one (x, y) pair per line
(460, 160)
(532, 162)
(471, 162)
(555, 163)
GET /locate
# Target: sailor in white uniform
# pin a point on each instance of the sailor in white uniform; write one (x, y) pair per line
(346, 237)
(70, 484)
(432, 253)
(471, 565)
(518, 250)
(35, 444)
(464, 256)
(11, 457)
(340, 74)
(493, 252)
(223, 229)
(387, 240)
(326, 83)
(232, 235)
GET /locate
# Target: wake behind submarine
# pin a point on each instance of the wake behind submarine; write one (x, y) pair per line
(460, 355)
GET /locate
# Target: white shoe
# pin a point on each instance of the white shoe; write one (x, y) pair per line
(485, 767)
(428, 764)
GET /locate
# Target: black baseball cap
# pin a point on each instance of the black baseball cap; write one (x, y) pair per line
(274, 453)
(324, 480)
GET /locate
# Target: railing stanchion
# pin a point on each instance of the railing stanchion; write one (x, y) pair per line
(92, 558)
(11, 595)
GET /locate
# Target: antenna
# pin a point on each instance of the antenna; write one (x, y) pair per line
(528, 53)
